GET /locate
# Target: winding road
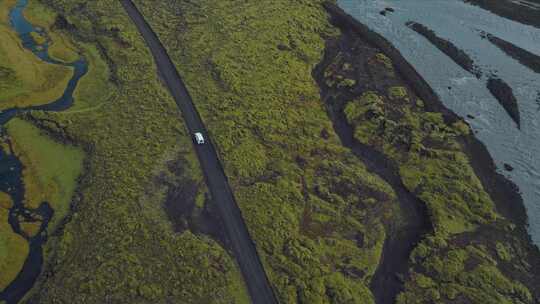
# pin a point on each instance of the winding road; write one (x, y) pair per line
(240, 240)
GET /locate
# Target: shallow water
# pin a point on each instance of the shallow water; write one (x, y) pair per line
(11, 167)
(80, 67)
(460, 23)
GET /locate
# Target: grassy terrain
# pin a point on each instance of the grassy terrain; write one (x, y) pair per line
(315, 212)
(25, 80)
(472, 255)
(60, 47)
(50, 169)
(430, 160)
(94, 88)
(13, 247)
(470, 272)
(118, 244)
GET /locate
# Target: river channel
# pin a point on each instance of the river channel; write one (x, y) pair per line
(11, 167)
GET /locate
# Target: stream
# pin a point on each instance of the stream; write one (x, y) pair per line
(11, 167)
(461, 91)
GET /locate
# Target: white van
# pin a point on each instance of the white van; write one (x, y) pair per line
(199, 139)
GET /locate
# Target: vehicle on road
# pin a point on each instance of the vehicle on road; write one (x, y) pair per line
(199, 138)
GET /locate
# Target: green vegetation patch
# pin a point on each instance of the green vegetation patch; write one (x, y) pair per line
(467, 274)
(313, 209)
(94, 89)
(25, 80)
(471, 256)
(382, 58)
(60, 45)
(51, 169)
(13, 247)
(119, 245)
(429, 156)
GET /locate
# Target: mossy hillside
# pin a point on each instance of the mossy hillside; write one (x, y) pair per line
(118, 244)
(51, 169)
(472, 256)
(314, 211)
(13, 247)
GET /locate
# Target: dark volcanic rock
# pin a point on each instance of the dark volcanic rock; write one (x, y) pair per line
(457, 55)
(508, 167)
(526, 58)
(504, 94)
(511, 10)
(386, 10)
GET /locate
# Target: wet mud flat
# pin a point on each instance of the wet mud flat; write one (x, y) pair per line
(502, 92)
(520, 11)
(503, 192)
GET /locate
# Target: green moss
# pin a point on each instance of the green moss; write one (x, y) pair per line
(398, 93)
(38, 38)
(337, 74)
(306, 200)
(50, 170)
(382, 58)
(459, 206)
(448, 278)
(424, 282)
(454, 262)
(429, 156)
(13, 247)
(369, 104)
(94, 89)
(461, 127)
(60, 46)
(503, 252)
(25, 80)
(347, 83)
(130, 130)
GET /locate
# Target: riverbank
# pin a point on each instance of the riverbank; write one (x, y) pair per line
(25, 79)
(42, 173)
(502, 192)
(118, 230)
(498, 87)
(411, 222)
